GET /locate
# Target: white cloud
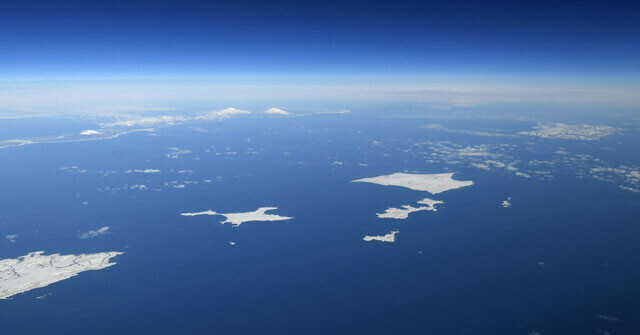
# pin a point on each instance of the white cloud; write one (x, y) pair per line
(144, 171)
(439, 127)
(627, 176)
(608, 318)
(481, 166)
(185, 171)
(462, 103)
(11, 238)
(147, 121)
(94, 233)
(176, 153)
(89, 132)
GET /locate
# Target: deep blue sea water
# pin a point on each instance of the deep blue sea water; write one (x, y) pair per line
(565, 253)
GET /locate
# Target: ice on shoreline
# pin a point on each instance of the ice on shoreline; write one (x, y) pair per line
(36, 270)
(432, 183)
(237, 219)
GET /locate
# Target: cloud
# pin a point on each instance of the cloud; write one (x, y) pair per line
(462, 103)
(169, 120)
(143, 171)
(185, 171)
(90, 132)
(147, 121)
(94, 233)
(175, 153)
(608, 318)
(11, 238)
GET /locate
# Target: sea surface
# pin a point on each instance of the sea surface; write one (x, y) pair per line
(564, 259)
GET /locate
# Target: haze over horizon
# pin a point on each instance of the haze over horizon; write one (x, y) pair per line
(583, 51)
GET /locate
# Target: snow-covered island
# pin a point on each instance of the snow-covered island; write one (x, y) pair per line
(237, 219)
(276, 111)
(90, 132)
(403, 213)
(36, 270)
(432, 183)
(391, 237)
(571, 131)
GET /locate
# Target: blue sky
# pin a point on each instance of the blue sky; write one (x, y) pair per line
(164, 39)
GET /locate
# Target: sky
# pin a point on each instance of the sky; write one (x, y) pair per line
(91, 39)
(392, 46)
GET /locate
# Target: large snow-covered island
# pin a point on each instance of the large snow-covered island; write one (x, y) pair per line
(237, 219)
(36, 270)
(432, 183)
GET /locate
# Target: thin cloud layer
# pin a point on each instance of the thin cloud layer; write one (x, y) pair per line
(143, 171)
(90, 132)
(94, 233)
